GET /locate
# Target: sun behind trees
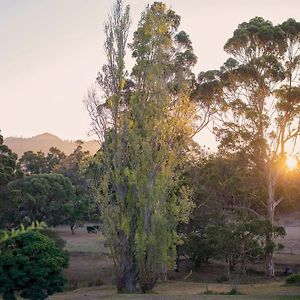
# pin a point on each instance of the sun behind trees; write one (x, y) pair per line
(257, 95)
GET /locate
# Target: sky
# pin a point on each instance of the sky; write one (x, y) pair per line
(51, 51)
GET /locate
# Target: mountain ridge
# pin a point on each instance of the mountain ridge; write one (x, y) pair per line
(44, 141)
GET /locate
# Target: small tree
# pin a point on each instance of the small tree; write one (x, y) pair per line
(31, 265)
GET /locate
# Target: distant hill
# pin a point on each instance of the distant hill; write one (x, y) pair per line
(43, 142)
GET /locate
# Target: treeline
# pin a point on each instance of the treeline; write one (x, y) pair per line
(52, 188)
(228, 222)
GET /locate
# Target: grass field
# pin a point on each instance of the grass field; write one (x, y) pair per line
(178, 290)
(90, 274)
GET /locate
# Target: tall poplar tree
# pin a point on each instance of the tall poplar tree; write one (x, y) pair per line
(145, 122)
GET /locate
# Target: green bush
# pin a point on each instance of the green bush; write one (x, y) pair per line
(197, 248)
(293, 279)
(58, 241)
(234, 291)
(31, 266)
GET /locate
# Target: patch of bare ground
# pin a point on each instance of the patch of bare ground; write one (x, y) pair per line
(89, 263)
(89, 271)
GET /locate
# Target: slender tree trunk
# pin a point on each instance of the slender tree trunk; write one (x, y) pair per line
(270, 270)
(243, 258)
(72, 227)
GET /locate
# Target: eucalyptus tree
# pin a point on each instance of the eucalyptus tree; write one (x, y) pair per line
(145, 121)
(257, 94)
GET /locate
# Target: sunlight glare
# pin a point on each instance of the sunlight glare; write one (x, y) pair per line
(291, 162)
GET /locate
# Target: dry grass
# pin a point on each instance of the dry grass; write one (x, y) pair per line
(82, 243)
(90, 273)
(89, 263)
(90, 270)
(188, 291)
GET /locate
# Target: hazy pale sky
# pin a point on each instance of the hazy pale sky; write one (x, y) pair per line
(51, 51)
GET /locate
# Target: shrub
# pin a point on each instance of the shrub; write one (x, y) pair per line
(197, 248)
(293, 279)
(222, 278)
(58, 241)
(31, 265)
(234, 291)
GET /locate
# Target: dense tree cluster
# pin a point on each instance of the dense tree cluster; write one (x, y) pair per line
(51, 188)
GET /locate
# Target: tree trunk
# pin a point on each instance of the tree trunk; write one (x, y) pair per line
(72, 226)
(269, 269)
(243, 258)
(126, 282)
(126, 277)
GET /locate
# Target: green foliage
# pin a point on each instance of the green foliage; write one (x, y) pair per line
(232, 242)
(234, 291)
(231, 292)
(73, 167)
(293, 279)
(145, 125)
(54, 158)
(83, 205)
(7, 163)
(8, 172)
(162, 117)
(44, 197)
(255, 94)
(33, 163)
(53, 235)
(6, 234)
(38, 163)
(31, 265)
